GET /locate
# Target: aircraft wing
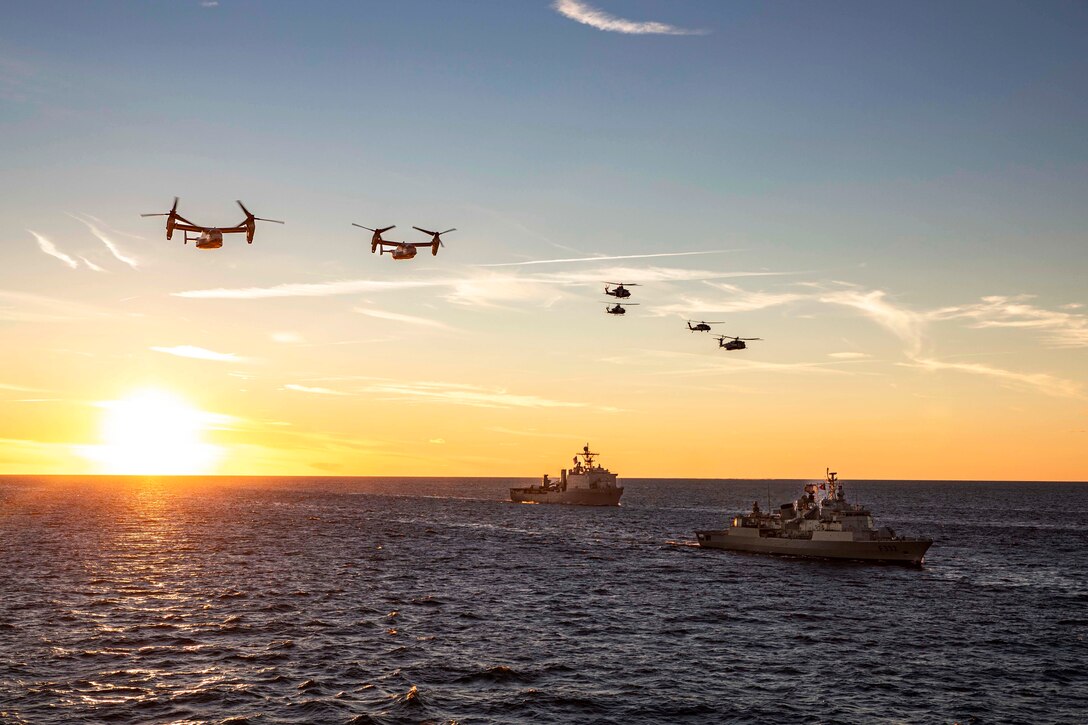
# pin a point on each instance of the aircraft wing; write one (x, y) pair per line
(180, 218)
(189, 228)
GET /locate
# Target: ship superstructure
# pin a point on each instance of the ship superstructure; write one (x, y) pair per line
(820, 524)
(586, 483)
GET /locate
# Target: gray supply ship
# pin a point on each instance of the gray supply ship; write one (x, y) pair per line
(586, 484)
(820, 524)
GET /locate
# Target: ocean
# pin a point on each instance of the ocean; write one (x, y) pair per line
(369, 600)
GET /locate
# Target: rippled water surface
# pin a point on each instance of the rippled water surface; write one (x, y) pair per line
(429, 600)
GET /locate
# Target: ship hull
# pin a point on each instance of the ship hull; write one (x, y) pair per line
(572, 496)
(910, 552)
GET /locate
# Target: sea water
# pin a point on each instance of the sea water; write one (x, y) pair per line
(363, 600)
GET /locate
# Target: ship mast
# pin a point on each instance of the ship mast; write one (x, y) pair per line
(588, 456)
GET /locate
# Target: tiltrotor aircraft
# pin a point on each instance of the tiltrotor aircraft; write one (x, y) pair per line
(210, 237)
(403, 250)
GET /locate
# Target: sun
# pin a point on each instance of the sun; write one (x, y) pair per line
(152, 432)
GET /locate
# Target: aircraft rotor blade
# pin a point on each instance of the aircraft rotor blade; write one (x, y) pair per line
(274, 221)
(244, 210)
(421, 229)
(383, 231)
(174, 208)
(165, 213)
(448, 231)
(361, 226)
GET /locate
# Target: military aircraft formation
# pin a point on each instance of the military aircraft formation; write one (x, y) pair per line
(620, 291)
(212, 238)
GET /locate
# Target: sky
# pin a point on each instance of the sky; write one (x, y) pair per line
(892, 196)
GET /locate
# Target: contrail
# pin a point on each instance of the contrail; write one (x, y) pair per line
(606, 259)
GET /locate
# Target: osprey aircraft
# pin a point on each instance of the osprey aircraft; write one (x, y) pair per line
(209, 237)
(403, 250)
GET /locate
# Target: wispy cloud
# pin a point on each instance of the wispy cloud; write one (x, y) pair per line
(199, 353)
(91, 265)
(471, 395)
(478, 288)
(1064, 327)
(849, 355)
(684, 363)
(588, 15)
(605, 259)
(1041, 382)
(51, 249)
(312, 390)
(19, 388)
(107, 241)
(906, 324)
(287, 338)
(738, 300)
(27, 307)
(306, 289)
(406, 319)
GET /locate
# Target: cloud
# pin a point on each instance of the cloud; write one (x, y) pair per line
(907, 325)
(739, 300)
(19, 388)
(1041, 382)
(407, 319)
(209, 3)
(587, 15)
(287, 338)
(199, 353)
(315, 391)
(51, 310)
(471, 395)
(1062, 328)
(313, 289)
(437, 441)
(51, 249)
(531, 432)
(604, 259)
(849, 355)
(481, 288)
(91, 265)
(110, 244)
(725, 363)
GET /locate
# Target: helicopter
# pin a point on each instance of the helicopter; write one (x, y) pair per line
(210, 237)
(618, 309)
(701, 326)
(621, 291)
(735, 343)
(403, 250)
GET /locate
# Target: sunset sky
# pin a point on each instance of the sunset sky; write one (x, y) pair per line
(894, 196)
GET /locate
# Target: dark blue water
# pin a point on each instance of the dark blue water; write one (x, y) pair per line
(424, 600)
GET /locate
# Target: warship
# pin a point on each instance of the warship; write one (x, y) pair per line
(821, 528)
(585, 484)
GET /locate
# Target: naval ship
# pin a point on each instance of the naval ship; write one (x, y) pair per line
(822, 528)
(586, 484)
